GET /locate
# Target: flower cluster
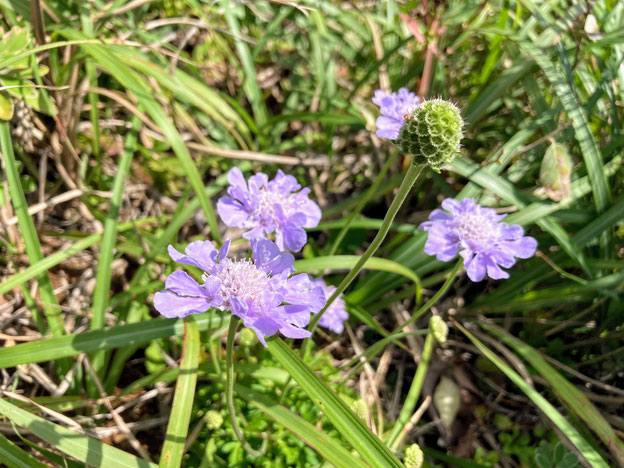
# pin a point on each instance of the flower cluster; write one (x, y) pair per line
(266, 206)
(484, 242)
(260, 290)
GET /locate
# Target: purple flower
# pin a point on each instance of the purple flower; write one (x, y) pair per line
(266, 206)
(485, 242)
(393, 108)
(260, 290)
(336, 314)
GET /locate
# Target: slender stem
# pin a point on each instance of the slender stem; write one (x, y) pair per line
(229, 385)
(413, 394)
(435, 298)
(408, 182)
(362, 203)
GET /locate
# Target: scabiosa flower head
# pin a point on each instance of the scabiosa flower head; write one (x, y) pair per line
(393, 107)
(260, 290)
(265, 206)
(484, 242)
(432, 132)
(334, 317)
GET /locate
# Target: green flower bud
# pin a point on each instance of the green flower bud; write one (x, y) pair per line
(360, 408)
(213, 420)
(432, 133)
(413, 456)
(446, 400)
(247, 337)
(439, 328)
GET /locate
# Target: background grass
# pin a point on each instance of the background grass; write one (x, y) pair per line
(118, 123)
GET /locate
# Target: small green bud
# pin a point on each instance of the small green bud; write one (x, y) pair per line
(439, 328)
(432, 133)
(360, 408)
(247, 337)
(213, 420)
(413, 456)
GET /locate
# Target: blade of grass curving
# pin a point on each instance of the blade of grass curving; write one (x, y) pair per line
(591, 455)
(180, 416)
(325, 445)
(372, 450)
(84, 448)
(15, 457)
(575, 400)
(103, 276)
(29, 233)
(250, 83)
(144, 94)
(105, 338)
(346, 262)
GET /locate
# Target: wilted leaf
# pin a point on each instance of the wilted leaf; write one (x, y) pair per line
(556, 171)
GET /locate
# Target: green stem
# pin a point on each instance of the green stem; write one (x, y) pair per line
(408, 182)
(362, 203)
(413, 394)
(435, 298)
(229, 385)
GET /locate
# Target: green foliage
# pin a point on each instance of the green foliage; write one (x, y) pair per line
(548, 455)
(432, 133)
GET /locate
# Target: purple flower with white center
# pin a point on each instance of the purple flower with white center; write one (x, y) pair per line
(260, 290)
(265, 206)
(336, 314)
(485, 243)
(393, 107)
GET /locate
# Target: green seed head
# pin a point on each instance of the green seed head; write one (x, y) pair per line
(247, 337)
(360, 409)
(213, 420)
(439, 328)
(413, 456)
(432, 133)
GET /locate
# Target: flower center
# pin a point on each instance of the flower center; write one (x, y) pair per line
(476, 228)
(241, 279)
(267, 200)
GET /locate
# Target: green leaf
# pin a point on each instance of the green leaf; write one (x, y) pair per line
(180, 416)
(86, 449)
(370, 448)
(590, 454)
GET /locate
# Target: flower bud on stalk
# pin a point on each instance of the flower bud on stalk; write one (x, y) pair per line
(414, 457)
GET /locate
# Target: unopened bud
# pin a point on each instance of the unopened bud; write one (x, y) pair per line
(360, 408)
(413, 456)
(432, 133)
(213, 420)
(439, 328)
(247, 337)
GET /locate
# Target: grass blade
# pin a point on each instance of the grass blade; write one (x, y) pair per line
(86, 449)
(575, 400)
(102, 339)
(325, 445)
(173, 448)
(15, 457)
(372, 450)
(591, 455)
